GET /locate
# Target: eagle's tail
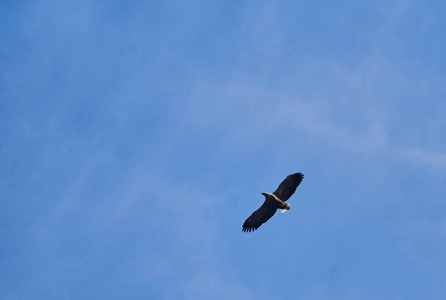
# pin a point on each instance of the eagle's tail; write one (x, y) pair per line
(287, 207)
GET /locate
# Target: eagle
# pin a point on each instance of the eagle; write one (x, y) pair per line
(274, 201)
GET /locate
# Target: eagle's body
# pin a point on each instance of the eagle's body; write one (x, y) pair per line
(274, 201)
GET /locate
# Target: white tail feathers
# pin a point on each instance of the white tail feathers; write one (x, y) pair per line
(287, 207)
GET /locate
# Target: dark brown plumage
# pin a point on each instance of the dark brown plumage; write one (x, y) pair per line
(273, 202)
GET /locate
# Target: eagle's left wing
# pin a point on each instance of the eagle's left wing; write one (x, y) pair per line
(288, 186)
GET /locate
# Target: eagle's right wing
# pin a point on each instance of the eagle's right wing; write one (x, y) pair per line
(258, 217)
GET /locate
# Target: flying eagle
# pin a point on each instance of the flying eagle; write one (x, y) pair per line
(273, 202)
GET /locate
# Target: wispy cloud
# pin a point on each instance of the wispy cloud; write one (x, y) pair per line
(240, 111)
(420, 156)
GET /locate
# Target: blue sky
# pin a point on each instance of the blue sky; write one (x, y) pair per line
(137, 136)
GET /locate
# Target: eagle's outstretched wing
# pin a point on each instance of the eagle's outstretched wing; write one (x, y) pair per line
(288, 186)
(260, 216)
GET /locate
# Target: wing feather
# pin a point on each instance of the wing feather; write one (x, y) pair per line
(288, 186)
(260, 216)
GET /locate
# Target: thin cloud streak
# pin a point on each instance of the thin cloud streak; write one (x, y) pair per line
(285, 116)
(420, 156)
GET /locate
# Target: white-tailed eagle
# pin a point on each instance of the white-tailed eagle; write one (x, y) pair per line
(274, 201)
